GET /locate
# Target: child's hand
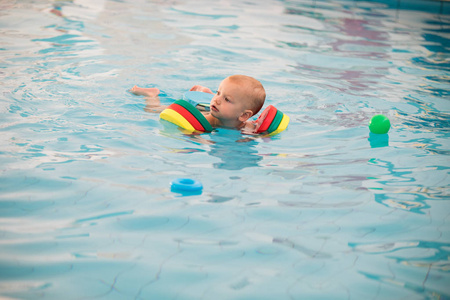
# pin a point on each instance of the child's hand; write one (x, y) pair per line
(199, 88)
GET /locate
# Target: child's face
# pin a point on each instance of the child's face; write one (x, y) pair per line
(229, 103)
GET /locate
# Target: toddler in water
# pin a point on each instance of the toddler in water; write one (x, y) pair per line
(238, 98)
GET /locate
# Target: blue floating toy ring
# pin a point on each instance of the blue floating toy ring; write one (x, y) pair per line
(186, 184)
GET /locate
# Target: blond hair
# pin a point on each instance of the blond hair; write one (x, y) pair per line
(256, 91)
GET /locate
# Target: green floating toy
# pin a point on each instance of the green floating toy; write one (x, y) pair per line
(379, 124)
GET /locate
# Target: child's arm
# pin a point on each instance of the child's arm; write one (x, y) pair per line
(153, 105)
(249, 128)
(152, 102)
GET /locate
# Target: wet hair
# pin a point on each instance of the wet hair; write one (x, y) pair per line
(257, 93)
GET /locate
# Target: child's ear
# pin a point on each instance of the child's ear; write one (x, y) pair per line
(246, 115)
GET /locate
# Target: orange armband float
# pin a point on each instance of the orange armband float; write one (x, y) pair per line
(186, 116)
(271, 121)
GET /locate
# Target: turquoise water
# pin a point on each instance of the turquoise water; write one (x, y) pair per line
(323, 210)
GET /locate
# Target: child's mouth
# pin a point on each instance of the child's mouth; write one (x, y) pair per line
(214, 108)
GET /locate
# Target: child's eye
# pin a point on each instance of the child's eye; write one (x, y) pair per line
(226, 99)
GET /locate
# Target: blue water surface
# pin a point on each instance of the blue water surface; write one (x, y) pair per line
(324, 210)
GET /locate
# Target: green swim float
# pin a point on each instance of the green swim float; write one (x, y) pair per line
(186, 116)
(271, 121)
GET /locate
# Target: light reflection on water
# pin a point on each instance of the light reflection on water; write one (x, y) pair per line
(322, 210)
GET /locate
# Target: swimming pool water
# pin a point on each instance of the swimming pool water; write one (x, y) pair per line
(323, 210)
